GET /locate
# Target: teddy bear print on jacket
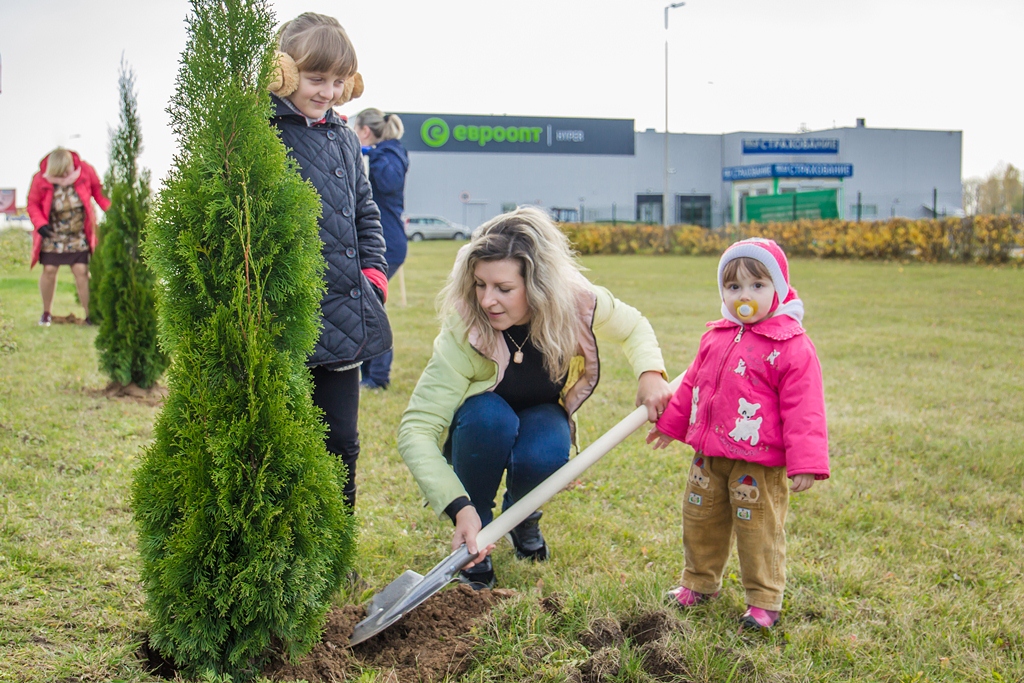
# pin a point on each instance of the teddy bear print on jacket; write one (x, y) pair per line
(747, 427)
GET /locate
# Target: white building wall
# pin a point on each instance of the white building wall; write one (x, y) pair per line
(695, 167)
(436, 180)
(896, 172)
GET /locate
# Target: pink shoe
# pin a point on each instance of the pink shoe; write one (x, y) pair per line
(756, 618)
(685, 597)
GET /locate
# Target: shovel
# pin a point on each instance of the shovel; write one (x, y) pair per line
(410, 590)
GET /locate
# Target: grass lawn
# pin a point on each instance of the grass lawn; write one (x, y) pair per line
(905, 566)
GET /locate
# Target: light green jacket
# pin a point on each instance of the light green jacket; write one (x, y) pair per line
(457, 370)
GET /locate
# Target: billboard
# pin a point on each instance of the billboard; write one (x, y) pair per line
(516, 134)
(8, 201)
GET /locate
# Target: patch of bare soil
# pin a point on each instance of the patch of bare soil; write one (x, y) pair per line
(648, 632)
(553, 604)
(652, 626)
(435, 641)
(663, 662)
(153, 396)
(602, 666)
(69, 319)
(603, 632)
(429, 643)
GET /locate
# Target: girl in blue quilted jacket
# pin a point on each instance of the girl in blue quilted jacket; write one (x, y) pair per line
(316, 60)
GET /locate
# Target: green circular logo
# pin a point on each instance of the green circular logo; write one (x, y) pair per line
(434, 132)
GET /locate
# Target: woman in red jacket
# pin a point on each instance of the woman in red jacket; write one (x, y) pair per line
(60, 207)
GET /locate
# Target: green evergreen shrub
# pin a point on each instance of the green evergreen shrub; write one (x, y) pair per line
(96, 263)
(243, 530)
(124, 301)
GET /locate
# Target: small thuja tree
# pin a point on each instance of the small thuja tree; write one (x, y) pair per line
(96, 261)
(125, 299)
(243, 530)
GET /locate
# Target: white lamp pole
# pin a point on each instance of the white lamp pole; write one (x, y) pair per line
(665, 197)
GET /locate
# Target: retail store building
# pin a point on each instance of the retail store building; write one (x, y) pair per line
(470, 168)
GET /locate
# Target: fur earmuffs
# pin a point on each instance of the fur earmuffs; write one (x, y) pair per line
(286, 75)
(353, 89)
(286, 80)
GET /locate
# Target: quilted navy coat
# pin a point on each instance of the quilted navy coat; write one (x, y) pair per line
(355, 326)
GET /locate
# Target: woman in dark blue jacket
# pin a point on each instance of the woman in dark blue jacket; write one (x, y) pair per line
(380, 135)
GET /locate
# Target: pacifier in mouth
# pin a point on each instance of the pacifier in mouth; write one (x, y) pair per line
(745, 310)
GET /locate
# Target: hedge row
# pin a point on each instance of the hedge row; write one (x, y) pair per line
(975, 239)
(15, 247)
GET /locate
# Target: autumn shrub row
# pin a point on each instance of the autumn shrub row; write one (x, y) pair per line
(974, 239)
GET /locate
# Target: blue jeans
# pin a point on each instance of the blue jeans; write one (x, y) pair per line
(488, 438)
(377, 371)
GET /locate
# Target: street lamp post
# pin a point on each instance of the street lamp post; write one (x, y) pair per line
(665, 197)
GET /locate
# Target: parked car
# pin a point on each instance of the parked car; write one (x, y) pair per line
(419, 228)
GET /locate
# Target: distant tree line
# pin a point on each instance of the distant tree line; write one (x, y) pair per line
(1000, 192)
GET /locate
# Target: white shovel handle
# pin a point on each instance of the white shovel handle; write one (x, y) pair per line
(561, 478)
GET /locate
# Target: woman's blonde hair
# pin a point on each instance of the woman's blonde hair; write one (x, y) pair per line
(318, 43)
(553, 279)
(59, 163)
(383, 126)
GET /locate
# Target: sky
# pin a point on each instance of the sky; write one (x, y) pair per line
(734, 65)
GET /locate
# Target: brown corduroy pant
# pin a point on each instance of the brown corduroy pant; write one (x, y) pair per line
(726, 497)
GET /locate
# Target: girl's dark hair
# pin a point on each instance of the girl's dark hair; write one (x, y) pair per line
(752, 266)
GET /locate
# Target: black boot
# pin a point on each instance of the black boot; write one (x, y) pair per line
(528, 540)
(480, 575)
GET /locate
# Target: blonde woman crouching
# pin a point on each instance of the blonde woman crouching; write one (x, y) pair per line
(516, 357)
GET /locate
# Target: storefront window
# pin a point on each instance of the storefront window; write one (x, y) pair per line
(694, 209)
(648, 208)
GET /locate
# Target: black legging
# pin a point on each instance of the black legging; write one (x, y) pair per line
(337, 394)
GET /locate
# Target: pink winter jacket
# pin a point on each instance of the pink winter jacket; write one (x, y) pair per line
(754, 393)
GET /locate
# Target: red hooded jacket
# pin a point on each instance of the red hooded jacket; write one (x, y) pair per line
(40, 198)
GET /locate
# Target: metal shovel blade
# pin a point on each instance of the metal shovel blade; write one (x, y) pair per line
(406, 593)
(409, 590)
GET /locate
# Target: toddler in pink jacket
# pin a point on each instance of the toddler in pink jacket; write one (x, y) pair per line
(752, 407)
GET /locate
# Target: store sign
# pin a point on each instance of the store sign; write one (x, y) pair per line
(516, 134)
(747, 172)
(787, 171)
(8, 201)
(791, 146)
(812, 170)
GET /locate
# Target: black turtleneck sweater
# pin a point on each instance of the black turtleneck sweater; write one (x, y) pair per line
(526, 384)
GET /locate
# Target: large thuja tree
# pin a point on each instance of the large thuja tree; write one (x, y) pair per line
(125, 299)
(242, 526)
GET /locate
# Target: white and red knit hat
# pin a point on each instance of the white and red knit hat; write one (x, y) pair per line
(771, 256)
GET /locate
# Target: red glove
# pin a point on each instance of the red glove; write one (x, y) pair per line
(378, 280)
